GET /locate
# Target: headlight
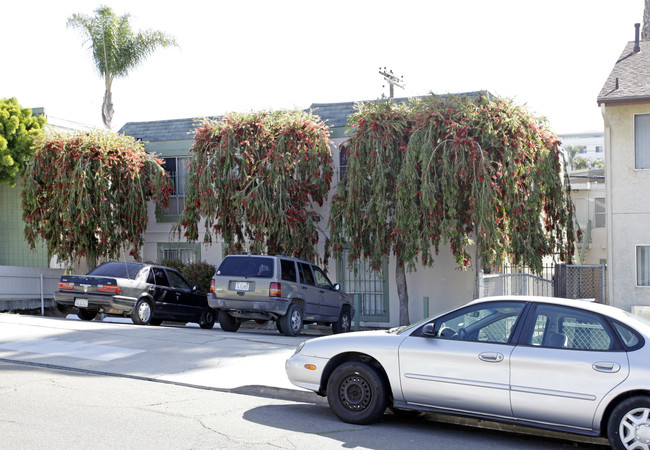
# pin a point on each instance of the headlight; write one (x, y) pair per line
(302, 344)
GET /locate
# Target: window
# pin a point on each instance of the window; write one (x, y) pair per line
(288, 270)
(187, 255)
(321, 279)
(642, 141)
(560, 327)
(600, 213)
(343, 160)
(491, 322)
(643, 265)
(306, 277)
(177, 169)
(177, 281)
(600, 149)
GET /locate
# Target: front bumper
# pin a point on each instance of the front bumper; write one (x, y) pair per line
(301, 376)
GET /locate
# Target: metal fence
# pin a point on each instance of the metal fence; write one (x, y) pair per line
(584, 281)
(568, 281)
(514, 284)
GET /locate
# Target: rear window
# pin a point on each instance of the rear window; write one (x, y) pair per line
(246, 266)
(128, 270)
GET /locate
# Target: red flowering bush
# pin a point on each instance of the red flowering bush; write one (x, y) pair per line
(253, 179)
(86, 195)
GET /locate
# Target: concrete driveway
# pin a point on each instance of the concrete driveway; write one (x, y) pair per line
(189, 355)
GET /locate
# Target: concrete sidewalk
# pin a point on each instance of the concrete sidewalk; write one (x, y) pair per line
(178, 354)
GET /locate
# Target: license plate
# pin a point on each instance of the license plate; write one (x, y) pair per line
(242, 286)
(81, 302)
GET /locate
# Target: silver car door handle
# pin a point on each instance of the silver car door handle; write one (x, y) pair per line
(491, 357)
(609, 367)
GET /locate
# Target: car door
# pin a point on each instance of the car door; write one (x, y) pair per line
(567, 361)
(311, 293)
(160, 292)
(187, 304)
(463, 363)
(331, 300)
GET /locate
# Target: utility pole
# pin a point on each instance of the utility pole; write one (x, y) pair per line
(392, 80)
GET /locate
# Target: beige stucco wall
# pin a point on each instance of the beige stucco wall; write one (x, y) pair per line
(628, 206)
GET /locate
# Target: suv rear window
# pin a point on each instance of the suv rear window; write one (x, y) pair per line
(246, 266)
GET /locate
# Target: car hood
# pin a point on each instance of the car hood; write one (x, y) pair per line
(361, 341)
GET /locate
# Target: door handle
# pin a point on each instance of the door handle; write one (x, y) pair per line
(491, 357)
(605, 366)
(305, 287)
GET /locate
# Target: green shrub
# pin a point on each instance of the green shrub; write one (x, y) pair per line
(175, 264)
(200, 275)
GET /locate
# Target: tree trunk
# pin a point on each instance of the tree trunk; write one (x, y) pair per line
(402, 292)
(107, 106)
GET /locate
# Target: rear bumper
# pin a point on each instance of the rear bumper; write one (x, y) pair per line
(107, 303)
(246, 309)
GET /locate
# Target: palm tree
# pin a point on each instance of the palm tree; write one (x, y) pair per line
(116, 48)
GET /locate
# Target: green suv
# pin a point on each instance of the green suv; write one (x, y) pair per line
(290, 291)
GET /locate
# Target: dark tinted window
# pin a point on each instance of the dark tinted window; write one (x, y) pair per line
(128, 270)
(246, 266)
(159, 276)
(288, 270)
(177, 281)
(306, 277)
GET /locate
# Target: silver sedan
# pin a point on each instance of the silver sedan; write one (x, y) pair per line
(565, 365)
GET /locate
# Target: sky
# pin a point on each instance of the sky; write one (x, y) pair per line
(553, 57)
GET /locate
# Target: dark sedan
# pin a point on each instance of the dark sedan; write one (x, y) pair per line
(147, 293)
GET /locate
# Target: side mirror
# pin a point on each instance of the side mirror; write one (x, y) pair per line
(194, 288)
(337, 287)
(427, 330)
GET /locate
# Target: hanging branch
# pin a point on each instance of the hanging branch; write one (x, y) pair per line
(253, 179)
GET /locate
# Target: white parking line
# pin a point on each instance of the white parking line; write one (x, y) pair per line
(81, 350)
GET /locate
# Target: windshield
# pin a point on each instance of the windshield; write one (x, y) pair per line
(247, 266)
(128, 270)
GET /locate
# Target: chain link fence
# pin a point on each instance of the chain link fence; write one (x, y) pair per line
(584, 281)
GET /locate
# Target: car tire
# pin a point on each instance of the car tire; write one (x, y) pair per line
(155, 322)
(344, 323)
(627, 419)
(87, 314)
(292, 322)
(207, 319)
(356, 393)
(142, 313)
(278, 325)
(228, 322)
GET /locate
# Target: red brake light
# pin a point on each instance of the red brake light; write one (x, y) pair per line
(212, 286)
(275, 290)
(108, 288)
(65, 285)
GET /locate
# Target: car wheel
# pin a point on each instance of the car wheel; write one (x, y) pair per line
(343, 324)
(291, 323)
(228, 322)
(356, 393)
(207, 319)
(278, 325)
(629, 424)
(87, 314)
(155, 322)
(141, 314)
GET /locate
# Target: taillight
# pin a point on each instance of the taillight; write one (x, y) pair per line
(275, 290)
(212, 286)
(108, 288)
(65, 285)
